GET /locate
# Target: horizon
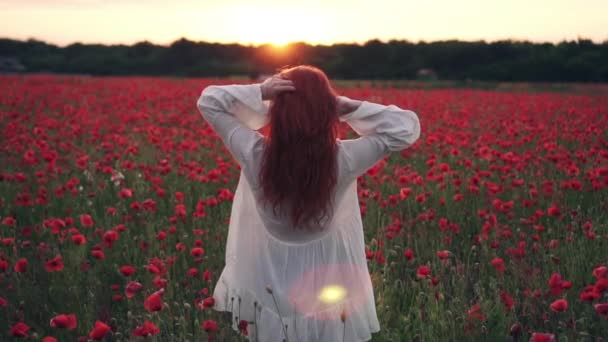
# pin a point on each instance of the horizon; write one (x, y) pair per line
(256, 45)
(317, 22)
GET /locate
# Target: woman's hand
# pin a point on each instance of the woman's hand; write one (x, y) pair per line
(275, 85)
(347, 105)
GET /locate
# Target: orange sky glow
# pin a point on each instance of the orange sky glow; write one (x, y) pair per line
(325, 22)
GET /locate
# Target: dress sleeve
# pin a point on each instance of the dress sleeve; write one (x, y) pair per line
(235, 112)
(383, 129)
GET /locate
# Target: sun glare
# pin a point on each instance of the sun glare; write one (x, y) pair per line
(278, 27)
(332, 294)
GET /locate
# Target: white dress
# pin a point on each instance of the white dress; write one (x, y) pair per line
(293, 285)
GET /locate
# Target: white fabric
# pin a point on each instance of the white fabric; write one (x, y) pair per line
(314, 277)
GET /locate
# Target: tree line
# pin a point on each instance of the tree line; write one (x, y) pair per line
(581, 60)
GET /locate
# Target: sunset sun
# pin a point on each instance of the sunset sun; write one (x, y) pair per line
(443, 165)
(278, 27)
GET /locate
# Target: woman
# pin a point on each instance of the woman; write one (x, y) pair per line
(295, 254)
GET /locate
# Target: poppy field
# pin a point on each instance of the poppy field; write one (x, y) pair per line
(115, 197)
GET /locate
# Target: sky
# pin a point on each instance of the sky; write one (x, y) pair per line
(254, 22)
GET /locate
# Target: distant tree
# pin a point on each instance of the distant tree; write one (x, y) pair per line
(579, 60)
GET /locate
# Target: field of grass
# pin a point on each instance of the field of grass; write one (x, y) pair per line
(532, 87)
(115, 195)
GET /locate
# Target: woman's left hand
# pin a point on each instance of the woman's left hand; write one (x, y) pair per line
(275, 85)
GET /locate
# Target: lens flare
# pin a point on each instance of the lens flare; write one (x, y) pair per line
(332, 294)
(327, 291)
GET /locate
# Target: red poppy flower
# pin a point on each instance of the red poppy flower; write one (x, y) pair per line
(209, 325)
(589, 296)
(443, 255)
(153, 302)
(127, 270)
(553, 210)
(404, 193)
(475, 313)
(557, 284)
(55, 264)
(180, 211)
(19, 329)
(86, 220)
(125, 193)
(243, 325)
(559, 305)
(498, 264)
(192, 272)
(208, 302)
(99, 331)
(540, 337)
(601, 285)
(64, 321)
(147, 329)
(602, 309)
(423, 271)
(132, 288)
(506, 300)
(98, 254)
(409, 254)
(601, 272)
(109, 237)
(9, 221)
(20, 265)
(149, 205)
(197, 252)
(79, 239)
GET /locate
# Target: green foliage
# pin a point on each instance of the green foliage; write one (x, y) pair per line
(506, 60)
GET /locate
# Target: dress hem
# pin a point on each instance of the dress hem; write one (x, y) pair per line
(248, 337)
(270, 318)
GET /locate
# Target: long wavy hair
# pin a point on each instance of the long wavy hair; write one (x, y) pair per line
(299, 166)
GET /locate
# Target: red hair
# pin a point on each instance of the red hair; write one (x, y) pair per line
(299, 165)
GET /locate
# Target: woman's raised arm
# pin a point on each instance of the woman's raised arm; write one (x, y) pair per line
(383, 129)
(241, 101)
(236, 111)
(397, 128)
